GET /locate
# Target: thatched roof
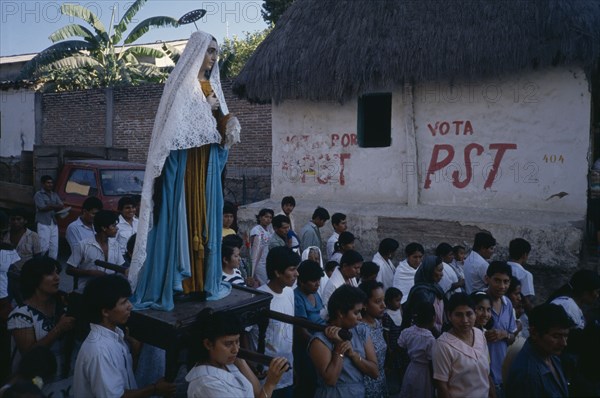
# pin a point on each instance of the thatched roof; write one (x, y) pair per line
(338, 49)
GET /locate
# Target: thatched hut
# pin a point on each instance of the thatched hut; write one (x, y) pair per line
(481, 106)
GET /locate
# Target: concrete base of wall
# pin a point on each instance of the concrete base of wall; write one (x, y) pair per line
(556, 238)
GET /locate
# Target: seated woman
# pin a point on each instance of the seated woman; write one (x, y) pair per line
(218, 371)
(341, 365)
(41, 321)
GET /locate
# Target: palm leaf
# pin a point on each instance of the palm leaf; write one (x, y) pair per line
(127, 17)
(73, 30)
(75, 10)
(147, 24)
(172, 52)
(53, 53)
(144, 52)
(73, 62)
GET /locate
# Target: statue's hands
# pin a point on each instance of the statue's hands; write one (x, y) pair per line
(213, 101)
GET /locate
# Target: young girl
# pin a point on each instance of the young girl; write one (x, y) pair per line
(259, 238)
(345, 242)
(483, 310)
(391, 321)
(418, 341)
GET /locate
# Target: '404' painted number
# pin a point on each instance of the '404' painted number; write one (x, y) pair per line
(554, 159)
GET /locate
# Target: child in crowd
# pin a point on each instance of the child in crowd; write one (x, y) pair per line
(503, 333)
(259, 238)
(344, 243)
(483, 310)
(236, 241)
(391, 322)
(368, 271)
(339, 224)
(330, 266)
(231, 265)
(228, 219)
(418, 341)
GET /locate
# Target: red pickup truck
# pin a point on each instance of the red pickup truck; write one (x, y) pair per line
(108, 180)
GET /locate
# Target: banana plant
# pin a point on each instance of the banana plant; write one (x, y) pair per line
(89, 57)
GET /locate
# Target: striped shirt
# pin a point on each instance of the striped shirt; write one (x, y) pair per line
(235, 279)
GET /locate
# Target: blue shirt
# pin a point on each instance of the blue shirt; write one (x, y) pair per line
(304, 309)
(530, 376)
(505, 320)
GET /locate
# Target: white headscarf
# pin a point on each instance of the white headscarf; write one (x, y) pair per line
(184, 120)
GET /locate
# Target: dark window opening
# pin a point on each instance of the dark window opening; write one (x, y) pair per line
(374, 128)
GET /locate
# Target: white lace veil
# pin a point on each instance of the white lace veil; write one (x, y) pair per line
(184, 120)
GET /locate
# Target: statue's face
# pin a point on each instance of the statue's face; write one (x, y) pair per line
(211, 56)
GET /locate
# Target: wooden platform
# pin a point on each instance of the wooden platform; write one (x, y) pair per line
(170, 329)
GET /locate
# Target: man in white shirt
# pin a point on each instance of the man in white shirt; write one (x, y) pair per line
(476, 263)
(383, 258)
(518, 253)
(339, 224)
(128, 222)
(83, 227)
(281, 270)
(82, 265)
(104, 366)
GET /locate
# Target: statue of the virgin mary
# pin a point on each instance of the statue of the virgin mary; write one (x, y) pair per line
(178, 244)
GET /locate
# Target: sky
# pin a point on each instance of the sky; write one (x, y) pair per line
(26, 24)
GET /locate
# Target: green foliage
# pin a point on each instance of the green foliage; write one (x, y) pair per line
(236, 52)
(83, 58)
(273, 9)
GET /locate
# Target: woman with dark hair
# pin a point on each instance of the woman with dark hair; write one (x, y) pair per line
(41, 321)
(427, 289)
(371, 321)
(461, 361)
(218, 371)
(404, 276)
(344, 243)
(259, 244)
(342, 365)
(345, 274)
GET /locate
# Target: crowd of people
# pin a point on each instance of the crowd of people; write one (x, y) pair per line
(451, 323)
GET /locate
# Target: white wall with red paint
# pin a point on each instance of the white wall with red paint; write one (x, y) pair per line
(512, 143)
